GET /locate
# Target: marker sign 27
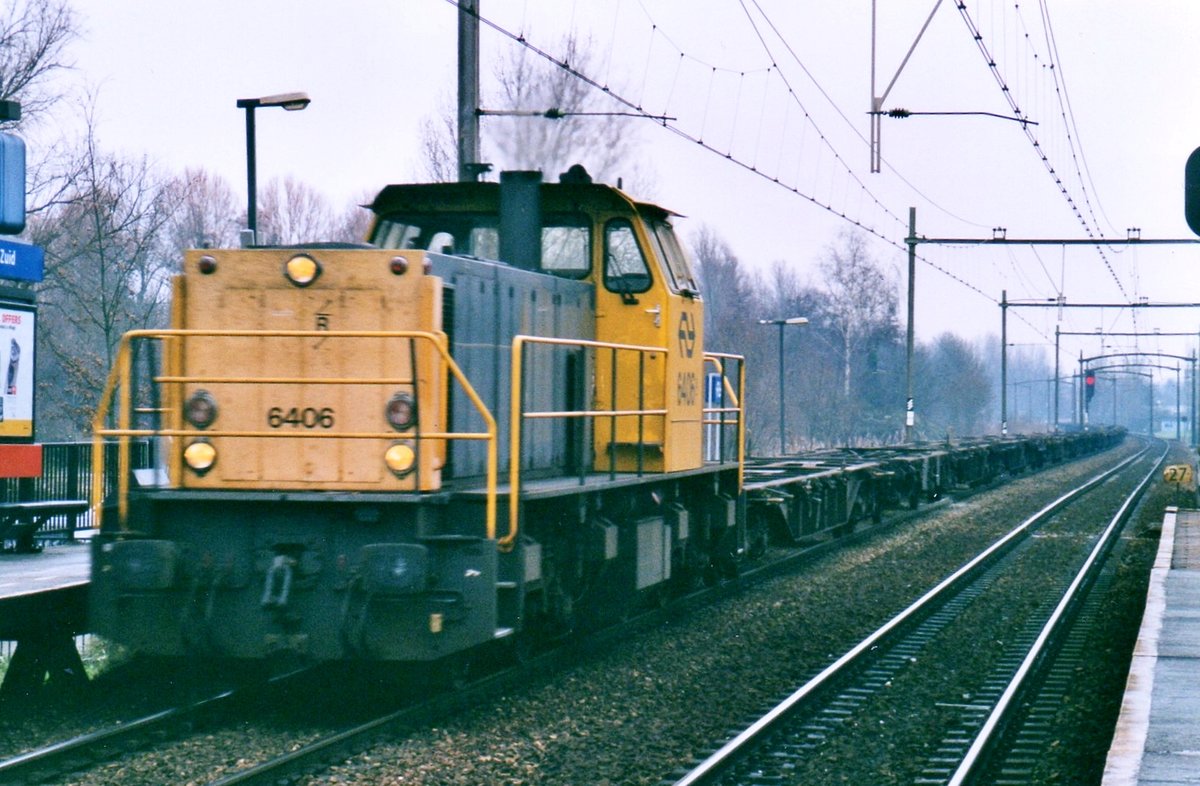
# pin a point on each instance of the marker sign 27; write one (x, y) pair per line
(1179, 474)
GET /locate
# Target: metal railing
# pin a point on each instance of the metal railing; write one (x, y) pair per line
(726, 410)
(117, 450)
(121, 386)
(719, 415)
(67, 474)
(518, 414)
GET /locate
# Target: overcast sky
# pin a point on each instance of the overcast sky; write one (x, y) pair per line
(167, 74)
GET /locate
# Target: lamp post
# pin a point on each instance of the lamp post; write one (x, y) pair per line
(782, 324)
(291, 102)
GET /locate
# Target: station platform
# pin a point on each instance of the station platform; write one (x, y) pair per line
(53, 568)
(44, 591)
(43, 606)
(1157, 740)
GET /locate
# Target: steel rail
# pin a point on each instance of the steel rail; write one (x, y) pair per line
(38, 764)
(349, 742)
(1048, 635)
(712, 767)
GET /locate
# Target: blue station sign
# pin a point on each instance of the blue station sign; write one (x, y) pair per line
(21, 261)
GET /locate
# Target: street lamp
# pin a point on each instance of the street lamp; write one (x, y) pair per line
(291, 102)
(782, 422)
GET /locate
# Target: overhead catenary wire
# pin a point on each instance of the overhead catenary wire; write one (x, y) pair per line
(853, 127)
(674, 128)
(841, 196)
(835, 193)
(775, 180)
(1039, 150)
(1052, 42)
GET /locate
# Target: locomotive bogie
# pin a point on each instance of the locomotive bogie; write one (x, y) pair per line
(328, 579)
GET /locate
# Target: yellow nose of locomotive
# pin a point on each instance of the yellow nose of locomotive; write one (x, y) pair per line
(306, 368)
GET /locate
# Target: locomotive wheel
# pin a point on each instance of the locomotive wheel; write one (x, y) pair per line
(660, 596)
(523, 647)
(456, 670)
(723, 564)
(757, 534)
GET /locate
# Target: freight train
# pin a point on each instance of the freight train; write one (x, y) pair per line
(495, 422)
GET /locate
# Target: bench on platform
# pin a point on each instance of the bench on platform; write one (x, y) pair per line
(19, 521)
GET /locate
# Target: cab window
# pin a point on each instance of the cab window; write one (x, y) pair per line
(394, 234)
(625, 269)
(460, 234)
(566, 246)
(485, 242)
(566, 240)
(677, 263)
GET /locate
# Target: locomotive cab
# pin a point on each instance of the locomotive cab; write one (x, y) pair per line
(645, 293)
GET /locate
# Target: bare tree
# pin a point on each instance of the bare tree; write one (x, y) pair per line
(811, 370)
(107, 271)
(603, 140)
(604, 144)
(439, 153)
(34, 35)
(731, 311)
(207, 213)
(861, 299)
(34, 38)
(293, 212)
(354, 223)
(728, 291)
(954, 388)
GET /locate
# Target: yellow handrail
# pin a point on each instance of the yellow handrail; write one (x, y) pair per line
(715, 359)
(516, 414)
(120, 376)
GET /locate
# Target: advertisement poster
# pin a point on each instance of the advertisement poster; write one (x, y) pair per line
(16, 372)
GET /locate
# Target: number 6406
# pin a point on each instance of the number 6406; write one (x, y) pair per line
(308, 417)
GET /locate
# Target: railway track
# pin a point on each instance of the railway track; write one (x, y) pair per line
(320, 753)
(116, 740)
(327, 748)
(948, 668)
(85, 750)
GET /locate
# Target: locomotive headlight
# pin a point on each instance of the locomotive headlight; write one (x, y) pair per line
(200, 456)
(401, 411)
(302, 270)
(401, 458)
(200, 409)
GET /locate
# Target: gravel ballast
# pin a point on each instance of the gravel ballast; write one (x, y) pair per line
(642, 709)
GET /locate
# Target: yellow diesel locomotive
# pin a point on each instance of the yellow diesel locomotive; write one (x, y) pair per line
(489, 423)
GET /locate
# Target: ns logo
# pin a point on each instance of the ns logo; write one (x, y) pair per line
(686, 382)
(687, 333)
